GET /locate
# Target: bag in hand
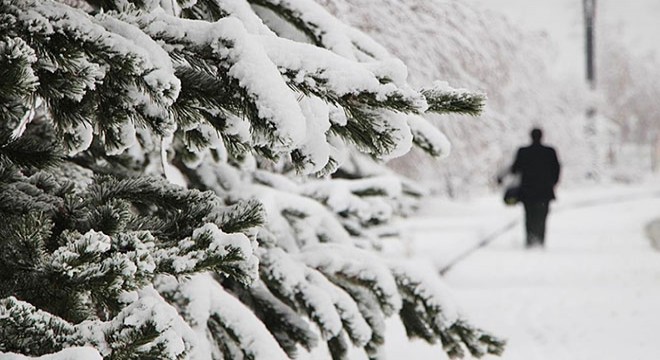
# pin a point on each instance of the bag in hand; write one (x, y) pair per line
(512, 195)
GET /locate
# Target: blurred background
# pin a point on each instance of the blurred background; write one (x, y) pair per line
(528, 56)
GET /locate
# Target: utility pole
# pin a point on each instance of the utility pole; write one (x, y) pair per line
(589, 22)
(589, 8)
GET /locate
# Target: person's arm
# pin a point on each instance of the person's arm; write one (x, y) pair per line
(517, 163)
(556, 167)
(513, 169)
(508, 170)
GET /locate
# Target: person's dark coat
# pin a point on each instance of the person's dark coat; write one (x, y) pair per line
(538, 167)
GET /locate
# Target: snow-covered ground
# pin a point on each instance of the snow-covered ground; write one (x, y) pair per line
(593, 293)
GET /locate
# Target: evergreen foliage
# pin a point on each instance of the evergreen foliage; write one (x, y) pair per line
(179, 180)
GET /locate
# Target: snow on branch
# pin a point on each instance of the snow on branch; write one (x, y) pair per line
(213, 10)
(357, 266)
(355, 197)
(444, 99)
(289, 327)
(30, 331)
(147, 327)
(299, 220)
(428, 137)
(358, 89)
(18, 81)
(428, 312)
(88, 259)
(211, 248)
(71, 353)
(220, 320)
(106, 253)
(77, 59)
(226, 45)
(339, 80)
(324, 30)
(295, 284)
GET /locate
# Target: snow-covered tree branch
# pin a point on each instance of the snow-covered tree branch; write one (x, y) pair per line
(180, 180)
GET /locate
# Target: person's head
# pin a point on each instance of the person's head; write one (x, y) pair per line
(536, 134)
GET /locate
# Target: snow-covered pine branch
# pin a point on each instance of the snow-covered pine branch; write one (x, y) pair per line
(84, 259)
(428, 312)
(268, 244)
(443, 99)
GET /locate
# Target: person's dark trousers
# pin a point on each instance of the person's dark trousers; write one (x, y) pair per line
(535, 215)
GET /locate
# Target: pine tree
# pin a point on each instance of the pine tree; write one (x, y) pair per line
(181, 180)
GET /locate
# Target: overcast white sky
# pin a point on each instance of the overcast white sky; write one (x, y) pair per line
(638, 21)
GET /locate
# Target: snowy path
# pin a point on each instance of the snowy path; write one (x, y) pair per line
(593, 293)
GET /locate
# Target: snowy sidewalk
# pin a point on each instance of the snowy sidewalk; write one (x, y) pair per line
(592, 294)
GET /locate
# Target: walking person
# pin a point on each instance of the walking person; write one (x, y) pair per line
(538, 168)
